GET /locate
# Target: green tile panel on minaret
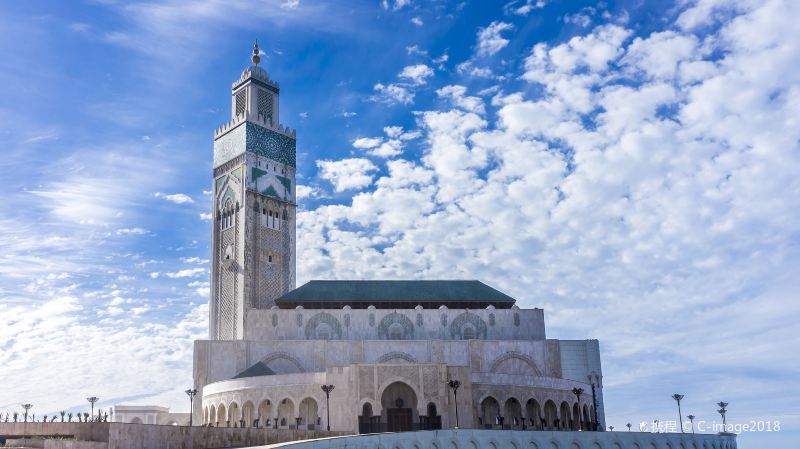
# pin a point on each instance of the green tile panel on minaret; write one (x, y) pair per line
(255, 139)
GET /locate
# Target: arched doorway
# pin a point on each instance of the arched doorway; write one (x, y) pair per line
(399, 403)
(249, 414)
(367, 422)
(265, 414)
(587, 419)
(136, 420)
(286, 414)
(234, 417)
(222, 416)
(431, 420)
(513, 414)
(309, 413)
(533, 412)
(550, 415)
(490, 413)
(212, 416)
(563, 416)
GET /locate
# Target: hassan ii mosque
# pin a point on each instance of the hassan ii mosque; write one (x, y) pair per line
(400, 354)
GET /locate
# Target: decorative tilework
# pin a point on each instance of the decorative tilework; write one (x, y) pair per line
(271, 144)
(392, 318)
(323, 318)
(456, 327)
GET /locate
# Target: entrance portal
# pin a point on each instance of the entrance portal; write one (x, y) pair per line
(399, 403)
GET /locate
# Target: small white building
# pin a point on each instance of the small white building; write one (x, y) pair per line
(149, 414)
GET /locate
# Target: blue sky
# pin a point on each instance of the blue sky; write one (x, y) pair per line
(631, 167)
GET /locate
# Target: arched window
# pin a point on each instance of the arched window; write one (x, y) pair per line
(366, 409)
(468, 332)
(431, 410)
(396, 331)
(323, 331)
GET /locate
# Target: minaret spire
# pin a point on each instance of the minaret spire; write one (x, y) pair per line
(256, 59)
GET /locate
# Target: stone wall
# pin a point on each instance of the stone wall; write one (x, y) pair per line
(142, 436)
(416, 324)
(506, 439)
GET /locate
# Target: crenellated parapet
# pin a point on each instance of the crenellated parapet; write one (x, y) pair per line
(247, 116)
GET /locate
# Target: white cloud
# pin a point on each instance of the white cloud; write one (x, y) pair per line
(490, 40)
(347, 174)
(290, 4)
(303, 192)
(348, 114)
(205, 216)
(132, 231)
(398, 4)
(647, 186)
(523, 8)
(177, 198)
(303, 115)
(414, 50)
(469, 68)
(417, 21)
(186, 273)
(393, 93)
(416, 74)
(367, 142)
(457, 94)
(196, 260)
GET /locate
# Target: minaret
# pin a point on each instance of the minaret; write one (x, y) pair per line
(253, 231)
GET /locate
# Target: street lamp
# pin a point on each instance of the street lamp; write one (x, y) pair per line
(327, 389)
(722, 412)
(578, 392)
(691, 422)
(678, 398)
(27, 407)
(92, 400)
(191, 392)
(454, 384)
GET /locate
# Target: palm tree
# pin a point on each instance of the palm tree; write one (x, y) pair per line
(678, 398)
(628, 426)
(69, 416)
(62, 415)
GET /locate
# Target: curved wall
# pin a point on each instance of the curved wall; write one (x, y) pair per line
(508, 439)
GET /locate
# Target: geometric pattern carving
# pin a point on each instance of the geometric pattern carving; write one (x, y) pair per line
(397, 355)
(516, 319)
(419, 320)
(396, 318)
(284, 356)
(271, 144)
(477, 323)
(327, 319)
(491, 319)
(519, 361)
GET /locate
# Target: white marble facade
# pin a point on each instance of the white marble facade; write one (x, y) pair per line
(264, 364)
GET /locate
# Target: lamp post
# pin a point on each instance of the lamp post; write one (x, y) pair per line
(691, 422)
(678, 398)
(722, 412)
(27, 407)
(578, 392)
(327, 389)
(454, 384)
(92, 400)
(191, 393)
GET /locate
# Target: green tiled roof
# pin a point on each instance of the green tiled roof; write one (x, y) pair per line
(259, 369)
(395, 294)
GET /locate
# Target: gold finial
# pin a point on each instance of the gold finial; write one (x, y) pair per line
(256, 59)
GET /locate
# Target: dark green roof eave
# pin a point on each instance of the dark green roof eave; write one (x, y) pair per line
(397, 293)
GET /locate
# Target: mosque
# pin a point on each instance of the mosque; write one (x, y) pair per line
(363, 355)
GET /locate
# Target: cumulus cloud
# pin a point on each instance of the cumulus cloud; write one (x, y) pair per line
(416, 74)
(177, 198)
(490, 40)
(458, 95)
(290, 4)
(390, 146)
(646, 185)
(393, 93)
(186, 273)
(523, 8)
(347, 174)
